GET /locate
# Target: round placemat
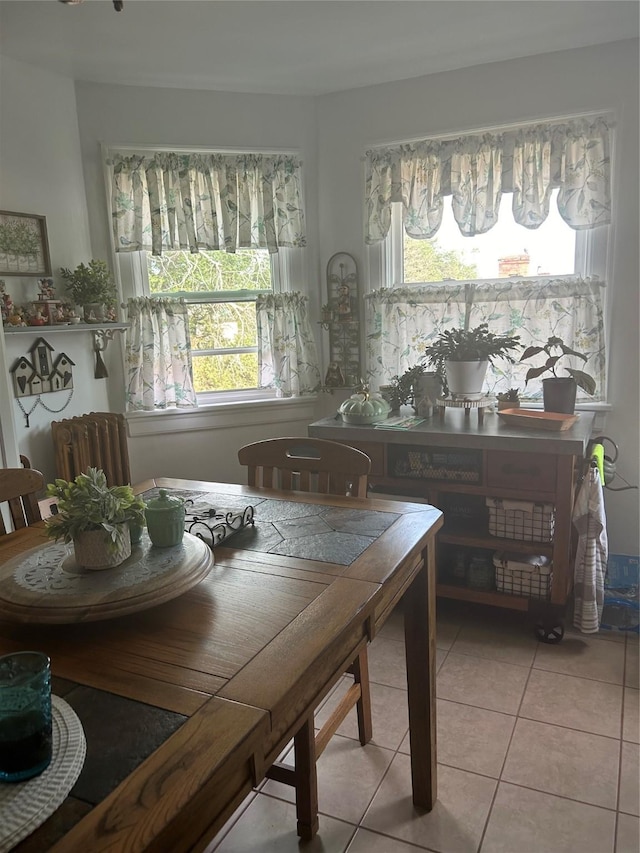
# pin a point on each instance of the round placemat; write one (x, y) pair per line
(26, 805)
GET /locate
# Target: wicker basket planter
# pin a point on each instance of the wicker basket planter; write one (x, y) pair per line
(94, 549)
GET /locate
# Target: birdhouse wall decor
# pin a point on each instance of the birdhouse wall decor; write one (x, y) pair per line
(41, 374)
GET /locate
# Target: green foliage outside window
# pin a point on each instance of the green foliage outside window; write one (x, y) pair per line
(425, 260)
(228, 325)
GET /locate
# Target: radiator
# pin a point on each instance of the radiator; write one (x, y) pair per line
(96, 440)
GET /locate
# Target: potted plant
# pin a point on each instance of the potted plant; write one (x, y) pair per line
(558, 392)
(401, 389)
(508, 399)
(95, 517)
(461, 358)
(92, 287)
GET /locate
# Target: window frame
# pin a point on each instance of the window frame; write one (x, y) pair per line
(287, 265)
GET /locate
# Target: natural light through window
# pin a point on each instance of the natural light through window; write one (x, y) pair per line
(508, 249)
(220, 289)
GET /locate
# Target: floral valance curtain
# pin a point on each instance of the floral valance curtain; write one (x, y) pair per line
(402, 321)
(162, 201)
(287, 357)
(475, 170)
(158, 355)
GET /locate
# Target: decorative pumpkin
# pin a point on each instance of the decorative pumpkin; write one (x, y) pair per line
(364, 408)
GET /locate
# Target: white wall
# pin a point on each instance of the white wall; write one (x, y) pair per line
(600, 78)
(41, 172)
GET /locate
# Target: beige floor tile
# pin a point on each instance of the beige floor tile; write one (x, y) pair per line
(487, 684)
(631, 721)
(471, 738)
(348, 776)
(632, 665)
(507, 643)
(629, 785)
(564, 762)
(453, 826)
(393, 628)
(628, 834)
(446, 629)
(269, 826)
(387, 663)
(579, 703)
(532, 822)
(230, 823)
(365, 841)
(389, 714)
(584, 656)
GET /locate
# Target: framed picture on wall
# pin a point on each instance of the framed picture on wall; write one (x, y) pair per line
(24, 249)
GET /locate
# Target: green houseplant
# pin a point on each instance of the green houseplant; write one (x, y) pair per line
(95, 517)
(92, 287)
(461, 357)
(559, 392)
(509, 399)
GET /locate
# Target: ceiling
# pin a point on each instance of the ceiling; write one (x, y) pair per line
(300, 47)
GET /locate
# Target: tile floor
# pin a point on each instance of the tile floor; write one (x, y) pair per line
(537, 751)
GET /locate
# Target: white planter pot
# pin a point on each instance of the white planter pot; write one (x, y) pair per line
(466, 378)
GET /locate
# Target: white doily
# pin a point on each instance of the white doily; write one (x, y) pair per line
(24, 806)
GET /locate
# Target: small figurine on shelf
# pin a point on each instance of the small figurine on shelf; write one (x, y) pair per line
(47, 292)
(334, 377)
(16, 316)
(37, 318)
(6, 304)
(344, 302)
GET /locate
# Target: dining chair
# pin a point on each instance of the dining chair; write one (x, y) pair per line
(19, 488)
(325, 467)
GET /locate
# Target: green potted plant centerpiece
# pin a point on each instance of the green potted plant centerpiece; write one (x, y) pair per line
(95, 517)
(558, 392)
(461, 358)
(91, 286)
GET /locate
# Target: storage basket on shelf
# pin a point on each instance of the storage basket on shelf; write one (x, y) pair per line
(526, 520)
(519, 574)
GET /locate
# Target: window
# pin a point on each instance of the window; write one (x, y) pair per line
(220, 289)
(469, 230)
(508, 250)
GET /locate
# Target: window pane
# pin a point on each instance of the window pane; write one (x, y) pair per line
(247, 269)
(223, 325)
(225, 372)
(507, 249)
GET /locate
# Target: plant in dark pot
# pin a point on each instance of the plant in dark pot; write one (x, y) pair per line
(95, 517)
(558, 392)
(91, 286)
(461, 358)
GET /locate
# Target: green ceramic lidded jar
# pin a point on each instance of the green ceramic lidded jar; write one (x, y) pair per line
(165, 520)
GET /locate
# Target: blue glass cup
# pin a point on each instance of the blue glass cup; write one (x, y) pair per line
(25, 715)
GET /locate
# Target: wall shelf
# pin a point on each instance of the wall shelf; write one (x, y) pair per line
(102, 334)
(62, 327)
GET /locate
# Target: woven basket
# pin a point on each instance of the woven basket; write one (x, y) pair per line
(94, 549)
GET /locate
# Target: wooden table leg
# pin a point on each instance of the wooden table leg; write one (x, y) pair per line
(304, 747)
(420, 641)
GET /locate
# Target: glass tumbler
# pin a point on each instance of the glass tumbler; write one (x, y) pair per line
(25, 715)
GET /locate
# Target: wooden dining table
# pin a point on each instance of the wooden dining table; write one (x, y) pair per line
(225, 673)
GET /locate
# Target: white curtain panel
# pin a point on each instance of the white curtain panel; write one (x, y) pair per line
(162, 201)
(287, 355)
(476, 169)
(401, 322)
(158, 356)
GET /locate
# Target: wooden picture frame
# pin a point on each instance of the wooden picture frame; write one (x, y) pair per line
(24, 248)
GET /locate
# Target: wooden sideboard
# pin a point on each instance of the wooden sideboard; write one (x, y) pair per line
(456, 464)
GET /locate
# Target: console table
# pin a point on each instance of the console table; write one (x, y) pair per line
(458, 463)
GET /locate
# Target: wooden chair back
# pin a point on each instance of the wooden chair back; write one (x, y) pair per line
(19, 487)
(307, 465)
